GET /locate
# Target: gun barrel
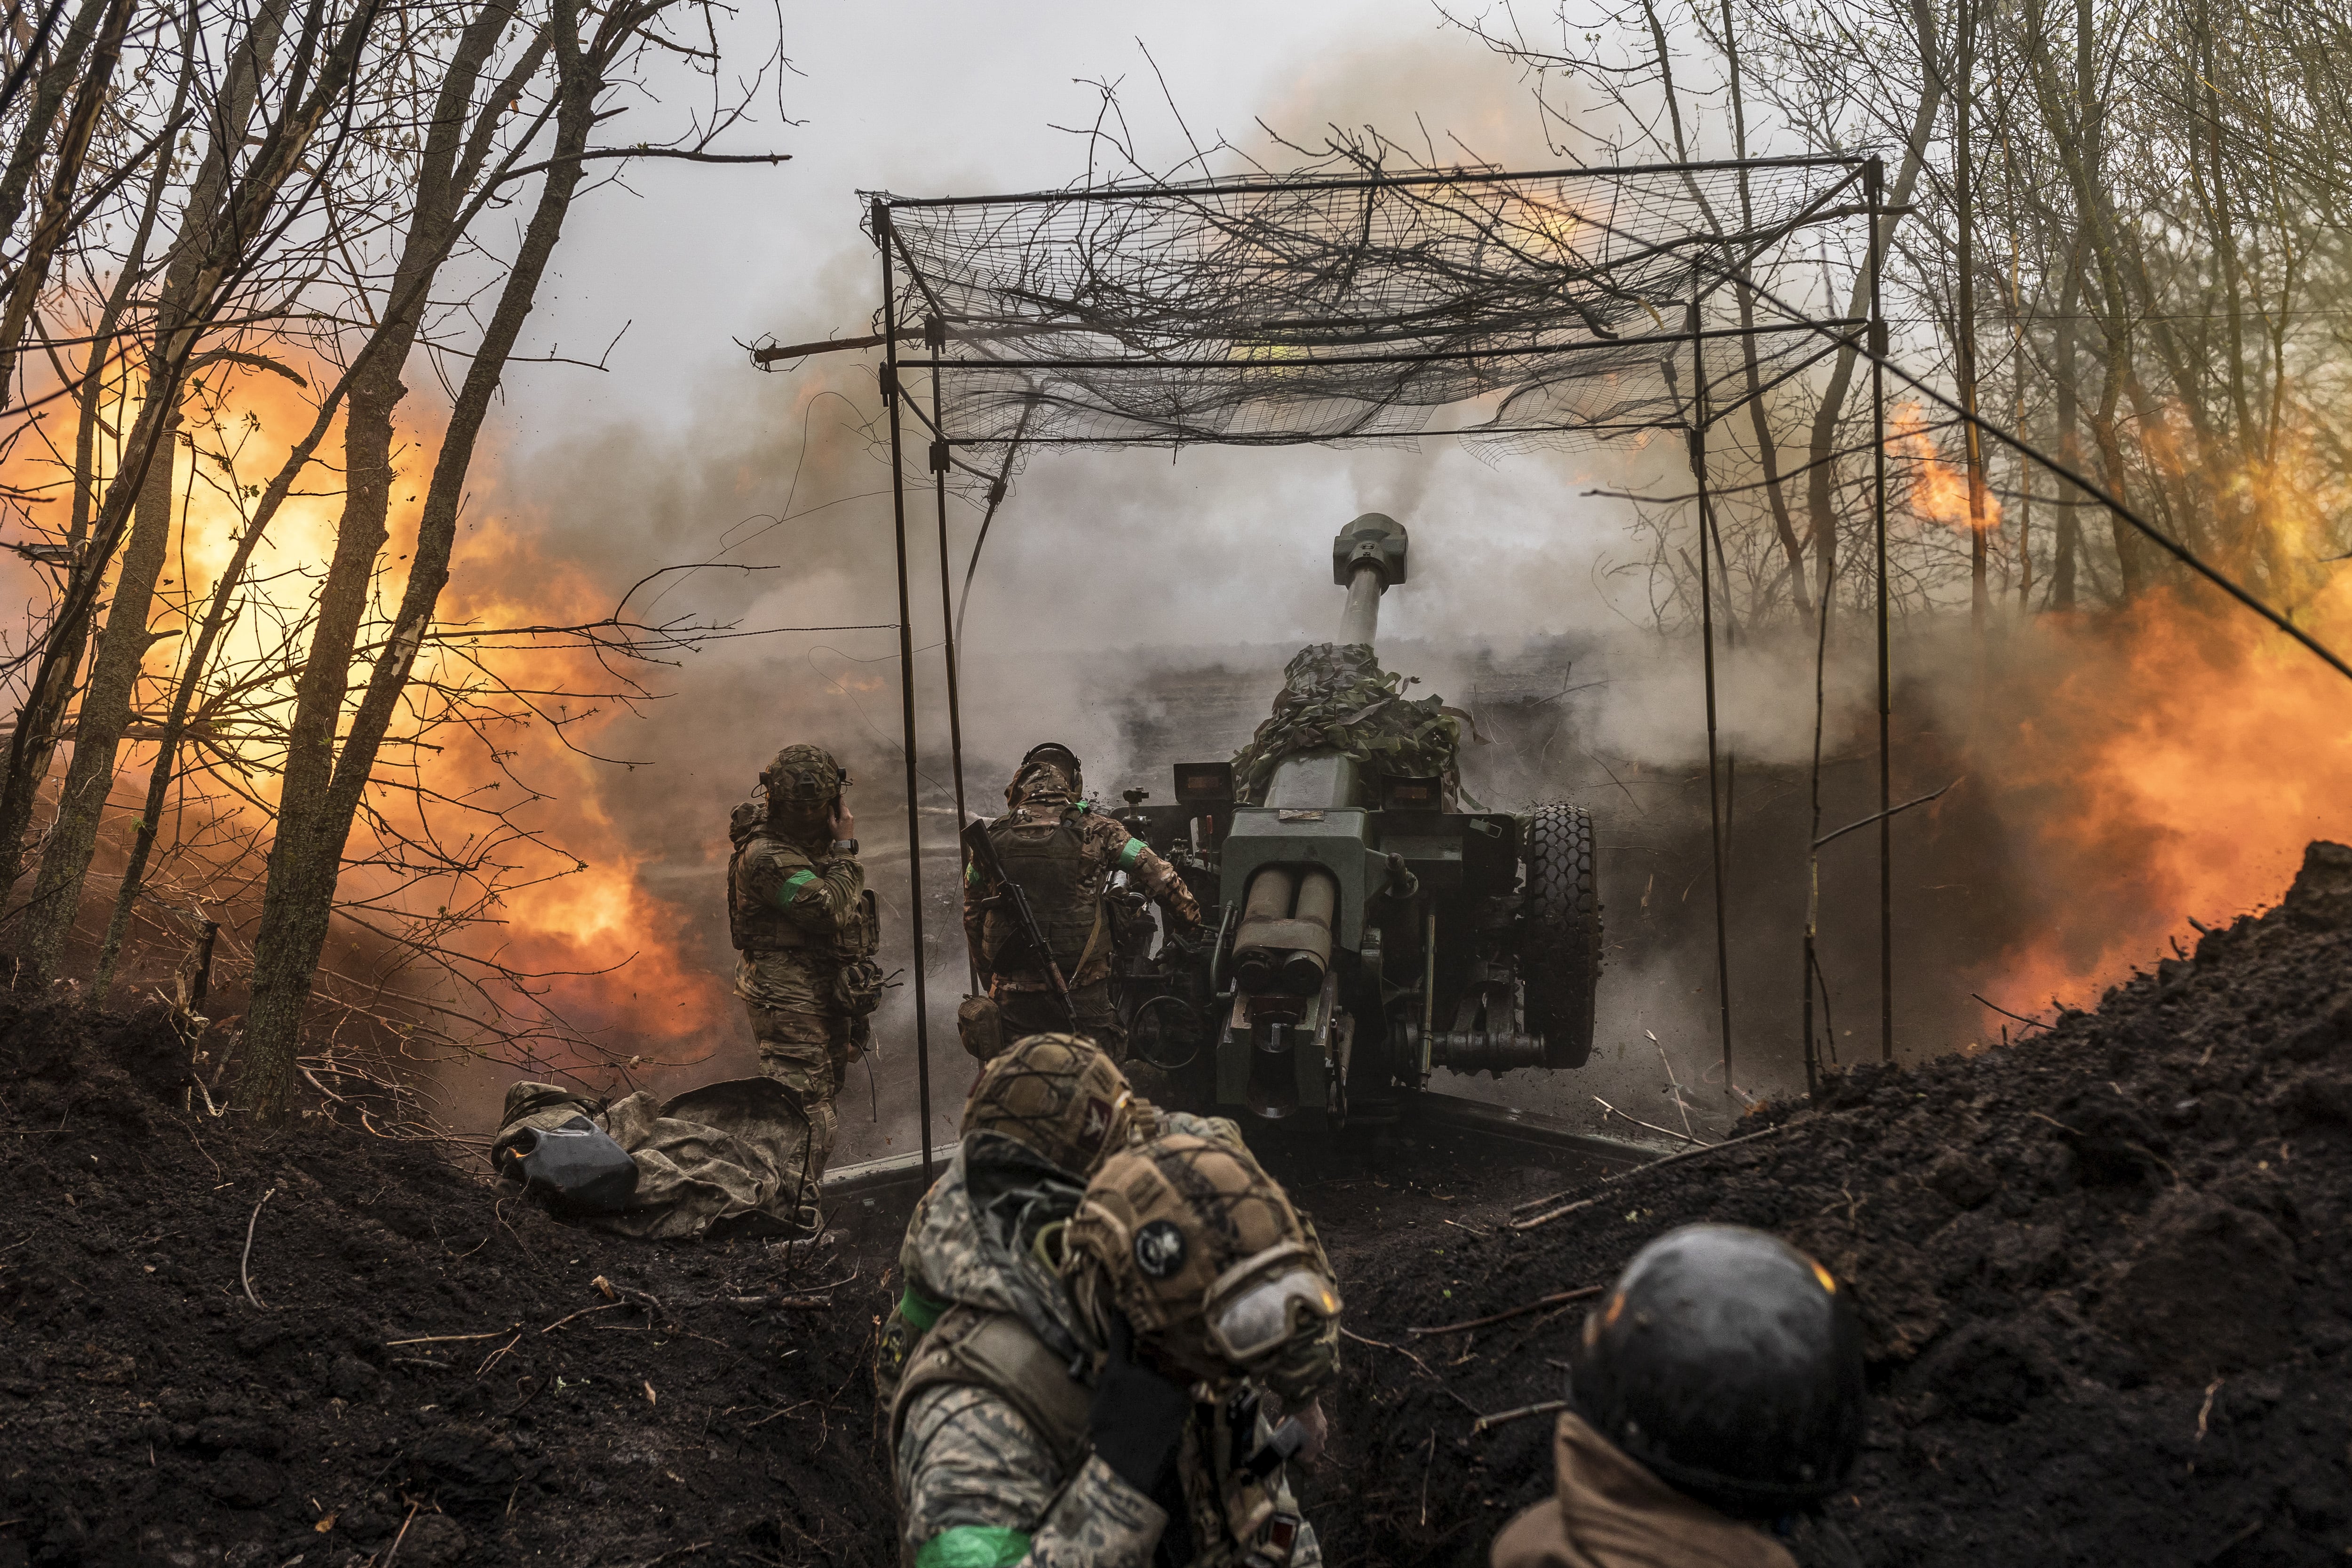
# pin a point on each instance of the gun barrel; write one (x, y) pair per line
(1360, 621)
(1367, 559)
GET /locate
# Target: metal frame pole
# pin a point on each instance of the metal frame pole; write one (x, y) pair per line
(935, 338)
(1874, 175)
(891, 392)
(1707, 638)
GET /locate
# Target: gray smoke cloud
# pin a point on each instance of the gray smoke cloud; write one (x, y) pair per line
(1114, 584)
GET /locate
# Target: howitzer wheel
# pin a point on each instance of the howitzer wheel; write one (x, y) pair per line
(1559, 934)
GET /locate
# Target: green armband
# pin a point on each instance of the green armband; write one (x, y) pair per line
(793, 888)
(973, 1546)
(1131, 852)
(919, 1310)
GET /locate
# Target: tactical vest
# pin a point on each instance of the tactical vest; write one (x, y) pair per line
(1064, 893)
(1238, 1523)
(753, 925)
(999, 1353)
(758, 926)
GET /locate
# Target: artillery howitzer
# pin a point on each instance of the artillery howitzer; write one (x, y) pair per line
(1361, 930)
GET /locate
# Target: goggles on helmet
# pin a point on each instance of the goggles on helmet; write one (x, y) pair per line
(1251, 1308)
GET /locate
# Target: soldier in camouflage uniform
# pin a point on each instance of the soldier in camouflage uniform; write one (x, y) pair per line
(1062, 853)
(1105, 1408)
(1041, 1119)
(802, 917)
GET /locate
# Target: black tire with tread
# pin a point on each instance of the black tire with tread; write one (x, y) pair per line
(1559, 932)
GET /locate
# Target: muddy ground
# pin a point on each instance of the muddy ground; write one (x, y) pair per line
(2104, 1276)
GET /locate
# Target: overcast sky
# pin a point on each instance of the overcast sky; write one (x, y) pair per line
(657, 459)
(959, 99)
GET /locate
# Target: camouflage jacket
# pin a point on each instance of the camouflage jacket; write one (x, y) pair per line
(1108, 847)
(792, 908)
(970, 1465)
(970, 1240)
(981, 1479)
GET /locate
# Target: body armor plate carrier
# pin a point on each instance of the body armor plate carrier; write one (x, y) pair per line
(1064, 893)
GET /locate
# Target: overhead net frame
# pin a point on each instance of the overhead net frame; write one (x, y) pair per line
(1512, 312)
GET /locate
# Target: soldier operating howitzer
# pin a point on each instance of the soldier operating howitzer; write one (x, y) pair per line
(1036, 913)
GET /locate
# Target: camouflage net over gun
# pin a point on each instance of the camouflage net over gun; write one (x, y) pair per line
(1335, 697)
(1347, 301)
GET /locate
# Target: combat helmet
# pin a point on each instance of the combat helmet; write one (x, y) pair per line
(1047, 759)
(1203, 1252)
(1729, 1364)
(1060, 1095)
(803, 778)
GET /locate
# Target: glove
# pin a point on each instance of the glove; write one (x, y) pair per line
(1138, 1416)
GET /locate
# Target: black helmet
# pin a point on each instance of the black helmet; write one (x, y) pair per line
(1728, 1363)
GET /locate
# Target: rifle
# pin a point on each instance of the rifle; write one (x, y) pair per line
(982, 850)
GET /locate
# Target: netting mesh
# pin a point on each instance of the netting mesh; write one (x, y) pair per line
(1298, 310)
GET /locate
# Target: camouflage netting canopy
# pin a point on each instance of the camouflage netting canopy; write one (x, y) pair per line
(1308, 309)
(1335, 697)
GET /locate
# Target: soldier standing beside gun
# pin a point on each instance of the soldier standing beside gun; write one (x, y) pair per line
(1048, 966)
(801, 916)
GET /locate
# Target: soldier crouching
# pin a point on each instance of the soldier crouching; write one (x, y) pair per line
(1190, 1288)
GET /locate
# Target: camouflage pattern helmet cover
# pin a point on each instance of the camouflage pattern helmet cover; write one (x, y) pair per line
(1173, 1232)
(1048, 768)
(1055, 752)
(803, 776)
(1059, 1095)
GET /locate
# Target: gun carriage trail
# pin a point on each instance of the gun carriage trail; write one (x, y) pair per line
(2100, 1273)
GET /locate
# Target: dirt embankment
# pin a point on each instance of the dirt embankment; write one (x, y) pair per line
(434, 1367)
(2104, 1276)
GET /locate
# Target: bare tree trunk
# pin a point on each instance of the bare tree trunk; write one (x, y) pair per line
(2223, 223)
(2069, 536)
(1820, 481)
(219, 616)
(64, 177)
(105, 714)
(1768, 448)
(49, 96)
(306, 857)
(2112, 473)
(226, 210)
(34, 744)
(1964, 203)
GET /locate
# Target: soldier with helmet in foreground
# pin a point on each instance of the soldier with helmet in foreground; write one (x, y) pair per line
(1040, 1121)
(1189, 1287)
(801, 916)
(1715, 1392)
(1062, 853)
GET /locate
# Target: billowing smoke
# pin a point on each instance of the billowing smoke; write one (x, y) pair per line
(2113, 778)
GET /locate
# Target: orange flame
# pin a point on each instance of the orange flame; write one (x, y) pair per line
(2170, 766)
(580, 913)
(1939, 491)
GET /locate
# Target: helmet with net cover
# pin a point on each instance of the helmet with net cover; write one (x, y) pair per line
(1059, 1095)
(803, 777)
(1049, 766)
(1729, 1364)
(1203, 1252)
